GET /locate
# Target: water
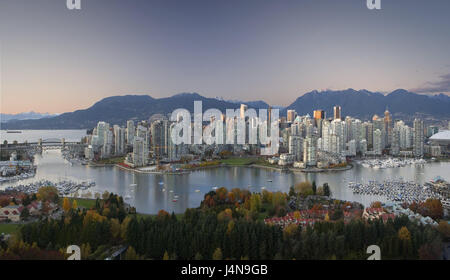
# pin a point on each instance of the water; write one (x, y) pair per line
(148, 196)
(35, 135)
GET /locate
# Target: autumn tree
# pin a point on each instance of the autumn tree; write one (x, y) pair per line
(217, 255)
(66, 204)
(75, 205)
(49, 193)
(404, 234)
(375, 204)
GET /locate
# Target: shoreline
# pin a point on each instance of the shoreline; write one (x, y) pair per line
(187, 171)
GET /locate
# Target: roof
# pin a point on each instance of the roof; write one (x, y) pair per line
(441, 135)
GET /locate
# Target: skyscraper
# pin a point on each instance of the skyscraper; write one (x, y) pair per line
(309, 151)
(377, 142)
(296, 147)
(418, 138)
(291, 114)
(131, 130)
(337, 112)
(242, 110)
(119, 140)
(319, 114)
(387, 127)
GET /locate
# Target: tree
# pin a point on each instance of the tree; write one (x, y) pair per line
(49, 193)
(4, 201)
(85, 251)
(25, 213)
(375, 204)
(434, 208)
(444, 229)
(404, 234)
(166, 256)
(75, 205)
(66, 204)
(131, 254)
(115, 228)
(198, 256)
(304, 188)
(217, 255)
(431, 251)
(326, 190)
(255, 203)
(105, 195)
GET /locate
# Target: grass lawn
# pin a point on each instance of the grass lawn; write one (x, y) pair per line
(239, 161)
(81, 202)
(9, 228)
(113, 160)
(143, 216)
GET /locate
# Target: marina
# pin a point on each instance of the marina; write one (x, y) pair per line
(64, 188)
(390, 162)
(395, 190)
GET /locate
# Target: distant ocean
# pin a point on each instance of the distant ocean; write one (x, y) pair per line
(70, 135)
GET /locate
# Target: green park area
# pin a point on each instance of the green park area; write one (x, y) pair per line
(239, 161)
(113, 160)
(9, 228)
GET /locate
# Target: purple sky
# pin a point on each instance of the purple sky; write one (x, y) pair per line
(56, 60)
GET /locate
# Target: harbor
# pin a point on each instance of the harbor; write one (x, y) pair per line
(390, 162)
(397, 190)
(65, 188)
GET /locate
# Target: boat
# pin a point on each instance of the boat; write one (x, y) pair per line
(13, 131)
(197, 190)
(133, 185)
(269, 180)
(174, 200)
(128, 197)
(161, 183)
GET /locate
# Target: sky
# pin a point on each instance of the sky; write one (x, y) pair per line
(56, 60)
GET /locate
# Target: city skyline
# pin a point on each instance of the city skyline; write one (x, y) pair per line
(56, 60)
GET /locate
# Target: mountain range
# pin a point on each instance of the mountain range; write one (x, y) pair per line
(357, 103)
(24, 116)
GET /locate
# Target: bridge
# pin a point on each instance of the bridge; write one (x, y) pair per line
(41, 144)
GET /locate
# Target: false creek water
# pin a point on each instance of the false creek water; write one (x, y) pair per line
(148, 195)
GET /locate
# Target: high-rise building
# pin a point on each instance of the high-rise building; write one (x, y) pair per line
(319, 114)
(309, 151)
(395, 141)
(119, 140)
(242, 110)
(101, 128)
(159, 138)
(140, 152)
(418, 142)
(377, 142)
(131, 130)
(107, 143)
(351, 148)
(291, 114)
(296, 147)
(337, 112)
(387, 127)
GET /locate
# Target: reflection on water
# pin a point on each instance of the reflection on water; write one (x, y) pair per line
(154, 191)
